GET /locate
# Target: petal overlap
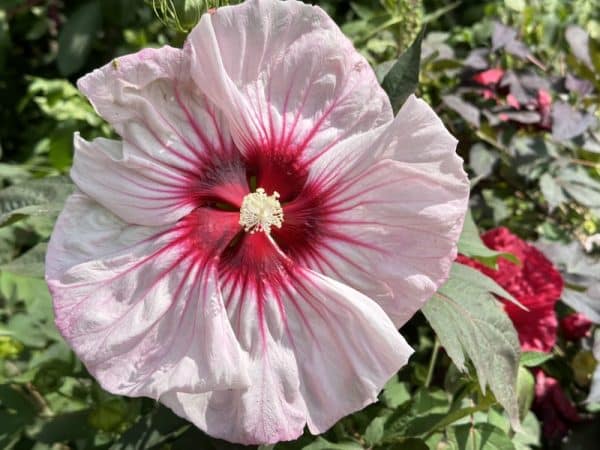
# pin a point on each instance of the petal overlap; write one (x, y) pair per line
(163, 117)
(139, 307)
(393, 207)
(136, 189)
(304, 89)
(315, 356)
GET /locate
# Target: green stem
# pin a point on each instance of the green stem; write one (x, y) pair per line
(432, 361)
(455, 416)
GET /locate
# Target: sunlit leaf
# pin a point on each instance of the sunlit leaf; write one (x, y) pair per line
(470, 322)
(471, 245)
(40, 197)
(29, 264)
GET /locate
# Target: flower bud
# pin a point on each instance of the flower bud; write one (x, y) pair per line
(183, 14)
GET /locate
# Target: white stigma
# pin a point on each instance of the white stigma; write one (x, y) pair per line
(260, 211)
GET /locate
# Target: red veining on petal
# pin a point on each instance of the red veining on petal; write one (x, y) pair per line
(255, 265)
(160, 277)
(277, 169)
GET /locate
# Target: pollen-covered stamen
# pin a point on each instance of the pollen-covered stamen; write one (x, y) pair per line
(259, 211)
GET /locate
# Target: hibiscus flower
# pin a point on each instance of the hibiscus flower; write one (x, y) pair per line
(536, 284)
(247, 251)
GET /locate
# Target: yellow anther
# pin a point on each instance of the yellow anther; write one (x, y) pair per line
(260, 212)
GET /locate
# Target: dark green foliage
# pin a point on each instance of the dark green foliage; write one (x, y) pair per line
(403, 77)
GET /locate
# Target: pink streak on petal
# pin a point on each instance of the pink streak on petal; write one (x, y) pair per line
(164, 119)
(124, 295)
(387, 228)
(281, 107)
(304, 375)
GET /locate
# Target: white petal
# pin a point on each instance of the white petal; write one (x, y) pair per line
(142, 313)
(138, 190)
(393, 224)
(271, 409)
(346, 348)
(319, 350)
(285, 76)
(150, 100)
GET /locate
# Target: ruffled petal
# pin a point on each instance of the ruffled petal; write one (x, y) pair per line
(319, 350)
(136, 189)
(389, 228)
(163, 118)
(285, 76)
(341, 338)
(141, 306)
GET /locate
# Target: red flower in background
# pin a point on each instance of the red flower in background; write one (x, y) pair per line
(553, 407)
(575, 326)
(535, 283)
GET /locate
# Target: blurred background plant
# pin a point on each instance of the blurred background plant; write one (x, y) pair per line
(518, 82)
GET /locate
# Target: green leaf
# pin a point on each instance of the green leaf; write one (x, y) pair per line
(151, 430)
(442, 11)
(65, 427)
(525, 391)
(60, 100)
(483, 436)
(16, 411)
(552, 190)
(534, 359)
(481, 282)
(403, 78)
(516, 5)
(323, 444)
(427, 409)
(469, 321)
(374, 432)
(31, 291)
(582, 187)
(60, 152)
(41, 197)
(109, 415)
(529, 434)
(30, 263)
(395, 393)
(14, 399)
(28, 330)
(482, 161)
(471, 245)
(410, 444)
(76, 37)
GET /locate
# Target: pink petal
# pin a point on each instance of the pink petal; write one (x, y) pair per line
(285, 76)
(141, 306)
(391, 226)
(150, 100)
(319, 351)
(342, 338)
(136, 189)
